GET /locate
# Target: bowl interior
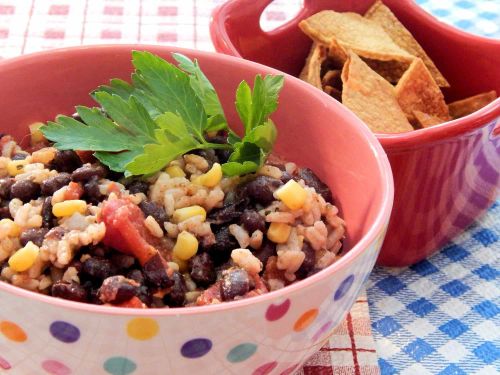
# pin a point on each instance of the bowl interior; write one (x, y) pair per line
(468, 62)
(346, 156)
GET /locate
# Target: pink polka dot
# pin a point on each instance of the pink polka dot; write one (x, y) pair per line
(265, 368)
(54, 367)
(275, 312)
(4, 364)
(325, 327)
(290, 370)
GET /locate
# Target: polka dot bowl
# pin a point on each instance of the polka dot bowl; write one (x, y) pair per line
(270, 334)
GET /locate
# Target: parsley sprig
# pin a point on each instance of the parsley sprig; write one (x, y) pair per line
(165, 112)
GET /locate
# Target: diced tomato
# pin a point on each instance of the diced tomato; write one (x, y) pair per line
(74, 191)
(134, 302)
(86, 156)
(210, 295)
(125, 230)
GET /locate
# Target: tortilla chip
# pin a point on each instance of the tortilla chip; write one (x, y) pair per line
(465, 107)
(417, 91)
(383, 16)
(371, 98)
(391, 70)
(311, 72)
(424, 120)
(352, 31)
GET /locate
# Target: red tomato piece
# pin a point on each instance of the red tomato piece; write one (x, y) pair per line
(125, 230)
(74, 191)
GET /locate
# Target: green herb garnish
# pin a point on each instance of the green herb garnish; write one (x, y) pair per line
(166, 112)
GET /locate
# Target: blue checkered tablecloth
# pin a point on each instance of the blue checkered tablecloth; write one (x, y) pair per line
(441, 316)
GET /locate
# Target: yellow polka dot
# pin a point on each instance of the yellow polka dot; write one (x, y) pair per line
(142, 328)
(305, 320)
(12, 331)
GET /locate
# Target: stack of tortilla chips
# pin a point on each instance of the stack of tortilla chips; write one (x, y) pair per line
(374, 66)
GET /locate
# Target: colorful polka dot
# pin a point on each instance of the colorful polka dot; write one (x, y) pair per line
(241, 352)
(4, 364)
(119, 366)
(142, 328)
(64, 331)
(305, 320)
(196, 348)
(265, 368)
(344, 288)
(275, 312)
(12, 331)
(325, 327)
(290, 370)
(54, 367)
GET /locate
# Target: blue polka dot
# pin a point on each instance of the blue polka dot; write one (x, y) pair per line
(119, 366)
(64, 331)
(196, 348)
(344, 288)
(241, 352)
(464, 4)
(488, 15)
(464, 24)
(441, 12)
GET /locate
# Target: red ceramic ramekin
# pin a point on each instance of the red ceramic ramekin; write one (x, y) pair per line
(445, 176)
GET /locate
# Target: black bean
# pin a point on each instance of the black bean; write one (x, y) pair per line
(209, 155)
(155, 210)
(4, 211)
(177, 294)
(252, 221)
(99, 251)
(202, 270)
(262, 188)
(225, 214)
(137, 186)
(5, 185)
(98, 268)
(66, 161)
(91, 190)
(77, 264)
(136, 275)
(155, 273)
(313, 181)
(71, 291)
(48, 218)
(122, 261)
(25, 190)
(19, 156)
(220, 138)
(285, 177)
(309, 261)
(88, 171)
(35, 235)
(117, 289)
(235, 282)
(52, 184)
(267, 249)
(225, 242)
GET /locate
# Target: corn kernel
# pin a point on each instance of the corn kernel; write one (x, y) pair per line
(9, 228)
(211, 178)
(24, 258)
(182, 264)
(279, 232)
(15, 167)
(186, 246)
(175, 171)
(185, 213)
(36, 134)
(68, 208)
(292, 195)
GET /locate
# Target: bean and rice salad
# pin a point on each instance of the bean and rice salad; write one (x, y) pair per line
(193, 237)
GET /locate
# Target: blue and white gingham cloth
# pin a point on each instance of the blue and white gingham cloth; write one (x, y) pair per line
(442, 315)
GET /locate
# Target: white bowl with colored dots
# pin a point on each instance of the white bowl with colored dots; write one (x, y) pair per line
(270, 334)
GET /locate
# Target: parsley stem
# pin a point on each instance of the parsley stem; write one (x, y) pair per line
(220, 146)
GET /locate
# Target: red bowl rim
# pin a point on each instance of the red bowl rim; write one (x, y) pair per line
(377, 229)
(390, 141)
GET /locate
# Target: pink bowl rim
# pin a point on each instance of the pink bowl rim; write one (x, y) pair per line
(390, 141)
(379, 224)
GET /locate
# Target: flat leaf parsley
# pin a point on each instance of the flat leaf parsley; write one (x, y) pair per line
(165, 112)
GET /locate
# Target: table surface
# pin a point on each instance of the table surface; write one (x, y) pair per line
(440, 316)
